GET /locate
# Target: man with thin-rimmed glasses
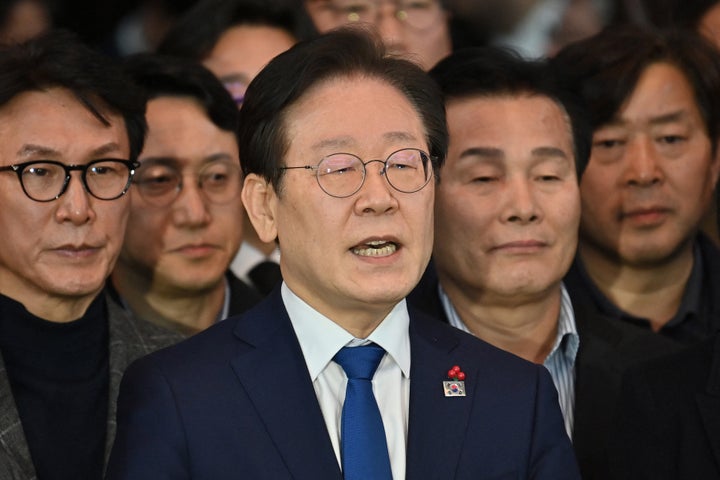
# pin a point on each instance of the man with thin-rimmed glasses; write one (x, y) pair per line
(332, 376)
(183, 230)
(71, 129)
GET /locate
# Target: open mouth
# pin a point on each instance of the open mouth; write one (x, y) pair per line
(375, 248)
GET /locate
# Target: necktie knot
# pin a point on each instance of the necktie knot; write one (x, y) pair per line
(360, 363)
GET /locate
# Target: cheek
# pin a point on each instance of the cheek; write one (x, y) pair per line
(596, 190)
(461, 213)
(145, 229)
(145, 220)
(569, 209)
(113, 211)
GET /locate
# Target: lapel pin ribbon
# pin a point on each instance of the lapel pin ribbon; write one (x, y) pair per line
(455, 387)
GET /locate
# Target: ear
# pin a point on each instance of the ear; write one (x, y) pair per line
(260, 202)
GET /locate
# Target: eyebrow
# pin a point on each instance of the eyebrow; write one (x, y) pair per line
(110, 147)
(485, 152)
(549, 152)
(399, 136)
(497, 155)
(175, 162)
(663, 119)
(30, 149)
(668, 118)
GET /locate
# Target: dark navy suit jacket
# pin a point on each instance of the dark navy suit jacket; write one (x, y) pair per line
(236, 401)
(607, 348)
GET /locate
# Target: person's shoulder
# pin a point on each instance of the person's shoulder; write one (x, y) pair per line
(129, 330)
(687, 369)
(627, 341)
(193, 359)
(469, 347)
(710, 254)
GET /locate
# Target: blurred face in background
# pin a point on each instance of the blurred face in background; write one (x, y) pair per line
(710, 24)
(23, 20)
(651, 173)
(242, 51)
(416, 29)
(184, 226)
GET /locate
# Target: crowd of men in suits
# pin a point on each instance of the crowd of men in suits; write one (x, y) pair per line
(509, 250)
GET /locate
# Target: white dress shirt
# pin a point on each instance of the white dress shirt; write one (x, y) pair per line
(320, 339)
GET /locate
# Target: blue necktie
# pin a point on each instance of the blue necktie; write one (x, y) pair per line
(363, 446)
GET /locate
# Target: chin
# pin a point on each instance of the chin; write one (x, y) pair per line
(78, 289)
(392, 294)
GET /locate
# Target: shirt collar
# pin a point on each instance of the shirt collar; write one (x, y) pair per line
(690, 304)
(320, 338)
(225, 310)
(566, 323)
(567, 339)
(249, 256)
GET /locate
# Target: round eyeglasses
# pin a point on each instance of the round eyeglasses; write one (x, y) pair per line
(418, 14)
(161, 183)
(343, 174)
(47, 180)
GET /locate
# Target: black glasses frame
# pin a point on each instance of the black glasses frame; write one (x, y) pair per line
(316, 168)
(19, 168)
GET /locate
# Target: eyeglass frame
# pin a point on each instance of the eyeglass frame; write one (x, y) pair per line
(383, 172)
(397, 14)
(19, 168)
(177, 189)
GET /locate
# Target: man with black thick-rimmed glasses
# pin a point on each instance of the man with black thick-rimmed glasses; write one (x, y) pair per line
(71, 129)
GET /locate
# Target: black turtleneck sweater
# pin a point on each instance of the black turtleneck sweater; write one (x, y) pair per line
(59, 378)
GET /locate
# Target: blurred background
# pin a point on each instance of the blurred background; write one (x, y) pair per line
(534, 27)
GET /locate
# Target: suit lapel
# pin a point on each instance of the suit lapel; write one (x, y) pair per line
(437, 424)
(129, 338)
(271, 368)
(709, 404)
(118, 362)
(13, 444)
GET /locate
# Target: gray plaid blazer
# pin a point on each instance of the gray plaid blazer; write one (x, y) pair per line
(130, 339)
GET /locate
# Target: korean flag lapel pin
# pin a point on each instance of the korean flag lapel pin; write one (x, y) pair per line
(455, 387)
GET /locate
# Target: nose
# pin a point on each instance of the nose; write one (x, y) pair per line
(390, 27)
(642, 163)
(190, 209)
(520, 205)
(376, 196)
(75, 204)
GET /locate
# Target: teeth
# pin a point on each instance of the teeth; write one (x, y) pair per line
(376, 248)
